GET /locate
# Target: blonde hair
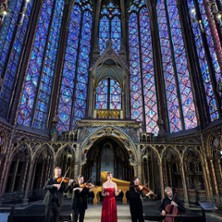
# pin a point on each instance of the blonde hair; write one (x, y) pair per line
(166, 189)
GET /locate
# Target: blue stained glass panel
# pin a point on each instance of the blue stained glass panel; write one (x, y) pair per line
(135, 71)
(38, 81)
(149, 88)
(13, 63)
(7, 31)
(186, 95)
(103, 33)
(69, 71)
(116, 33)
(102, 94)
(168, 70)
(83, 69)
(47, 76)
(115, 95)
(110, 27)
(202, 57)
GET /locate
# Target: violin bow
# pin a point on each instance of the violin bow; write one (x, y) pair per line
(65, 175)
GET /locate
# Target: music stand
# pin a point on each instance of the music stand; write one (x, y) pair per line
(207, 207)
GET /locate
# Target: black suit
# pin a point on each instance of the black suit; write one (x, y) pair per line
(53, 200)
(79, 203)
(136, 205)
(166, 201)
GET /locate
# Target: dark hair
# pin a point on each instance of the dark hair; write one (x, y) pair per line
(132, 181)
(108, 173)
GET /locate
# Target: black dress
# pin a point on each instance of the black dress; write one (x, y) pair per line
(53, 200)
(136, 206)
(79, 203)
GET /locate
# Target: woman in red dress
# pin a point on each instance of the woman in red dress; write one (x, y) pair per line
(109, 191)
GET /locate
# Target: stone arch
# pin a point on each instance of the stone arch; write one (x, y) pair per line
(172, 174)
(65, 158)
(150, 167)
(17, 173)
(170, 148)
(43, 160)
(20, 147)
(110, 132)
(195, 174)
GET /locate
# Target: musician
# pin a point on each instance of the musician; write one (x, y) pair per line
(79, 199)
(54, 196)
(135, 200)
(171, 199)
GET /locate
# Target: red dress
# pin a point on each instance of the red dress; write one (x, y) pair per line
(109, 212)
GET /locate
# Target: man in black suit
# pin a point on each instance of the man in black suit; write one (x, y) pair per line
(54, 196)
(79, 200)
(171, 200)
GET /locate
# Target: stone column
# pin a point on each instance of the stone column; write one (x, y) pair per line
(214, 177)
(161, 179)
(215, 26)
(30, 175)
(186, 198)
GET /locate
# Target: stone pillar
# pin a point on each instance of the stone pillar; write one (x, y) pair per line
(161, 179)
(206, 179)
(14, 174)
(214, 177)
(215, 27)
(30, 175)
(185, 191)
(139, 168)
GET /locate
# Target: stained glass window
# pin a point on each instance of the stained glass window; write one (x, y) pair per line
(110, 27)
(198, 16)
(11, 44)
(108, 94)
(36, 92)
(73, 90)
(102, 95)
(142, 76)
(181, 109)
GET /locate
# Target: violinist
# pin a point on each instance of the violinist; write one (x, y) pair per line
(53, 200)
(171, 205)
(79, 199)
(135, 199)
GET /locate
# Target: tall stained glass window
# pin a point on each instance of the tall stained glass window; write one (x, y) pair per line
(110, 26)
(180, 102)
(36, 93)
(12, 38)
(73, 89)
(142, 76)
(108, 94)
(208, 62)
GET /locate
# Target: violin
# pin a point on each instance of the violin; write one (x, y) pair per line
(146, 190)
(62, 180)
(87, 185)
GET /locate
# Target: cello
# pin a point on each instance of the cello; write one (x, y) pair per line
(171, 212)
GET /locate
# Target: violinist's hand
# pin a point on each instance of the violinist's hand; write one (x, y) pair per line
(163, 213)
(70, 182)
(57, 186)
(150, 193)
(78, 188)
(174, 203)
